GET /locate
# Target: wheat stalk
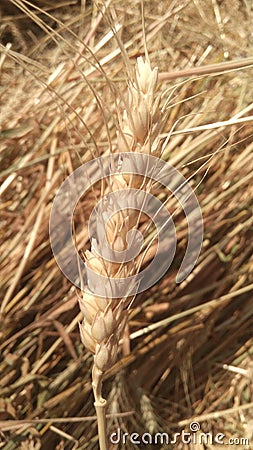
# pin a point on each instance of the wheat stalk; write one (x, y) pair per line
(105, 318)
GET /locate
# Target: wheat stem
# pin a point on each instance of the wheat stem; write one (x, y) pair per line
(100, 406)
(101, 418)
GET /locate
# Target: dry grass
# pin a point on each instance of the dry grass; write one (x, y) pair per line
(190, 344)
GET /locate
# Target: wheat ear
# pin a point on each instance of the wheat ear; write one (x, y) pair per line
(105, 318)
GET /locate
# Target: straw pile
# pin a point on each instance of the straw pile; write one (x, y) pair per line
(188, 352)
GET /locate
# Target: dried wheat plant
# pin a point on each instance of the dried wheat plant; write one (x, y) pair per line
(58, 100)
(105, 318)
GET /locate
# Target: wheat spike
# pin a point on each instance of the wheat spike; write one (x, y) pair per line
(105, 318)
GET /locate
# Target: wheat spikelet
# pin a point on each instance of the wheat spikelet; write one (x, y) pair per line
(105, 318)
(148, 414)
